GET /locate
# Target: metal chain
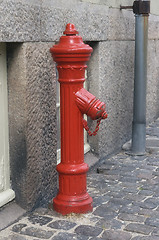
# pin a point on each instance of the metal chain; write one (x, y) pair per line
(85, 125)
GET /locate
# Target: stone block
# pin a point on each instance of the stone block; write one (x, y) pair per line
(32, 118)
(121, 25)
(119, 235)
(115, 64)
(92, 25)
(23, 21)
(20, 21)
(139, 228)
(152, 81)
(62, 224)
(153, 32)
(86, 230)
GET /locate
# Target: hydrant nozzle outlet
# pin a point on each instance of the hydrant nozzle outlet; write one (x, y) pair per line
(90, 105)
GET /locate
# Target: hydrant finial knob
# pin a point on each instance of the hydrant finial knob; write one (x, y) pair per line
(70, 29)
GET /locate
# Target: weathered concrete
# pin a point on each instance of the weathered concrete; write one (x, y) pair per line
(32, 122)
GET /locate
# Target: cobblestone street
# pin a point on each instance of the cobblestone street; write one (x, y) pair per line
(125, 191)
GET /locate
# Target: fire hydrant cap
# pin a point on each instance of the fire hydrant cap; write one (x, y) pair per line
(70, 44)
(70, 29)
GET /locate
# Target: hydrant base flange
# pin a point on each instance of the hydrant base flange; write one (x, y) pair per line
(75, 205)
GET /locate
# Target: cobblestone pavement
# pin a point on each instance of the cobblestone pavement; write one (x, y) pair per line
(125, 191)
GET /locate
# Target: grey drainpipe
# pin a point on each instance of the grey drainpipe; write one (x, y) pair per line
(141, 10)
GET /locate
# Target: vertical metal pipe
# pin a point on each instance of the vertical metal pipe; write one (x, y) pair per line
(140, 79)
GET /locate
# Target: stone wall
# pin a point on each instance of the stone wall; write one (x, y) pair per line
(32, 123)
(115, 77)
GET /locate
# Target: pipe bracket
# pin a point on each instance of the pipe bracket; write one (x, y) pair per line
(139, 7)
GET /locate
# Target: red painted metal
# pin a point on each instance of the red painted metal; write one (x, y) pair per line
(71, 55)
(88, 104)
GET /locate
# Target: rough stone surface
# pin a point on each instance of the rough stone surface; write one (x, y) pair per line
(36, 232)
(20, 21)
(85, 230)
(42, 220)
(32, 123)
(69, 236)
(152, 111)
(62, 224)
(45, 20)
(139, 228)
(115, 76)
(116, 235)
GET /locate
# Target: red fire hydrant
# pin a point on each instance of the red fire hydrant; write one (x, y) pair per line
(71, 55)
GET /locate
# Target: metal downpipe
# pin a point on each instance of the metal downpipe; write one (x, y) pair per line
(140, 82)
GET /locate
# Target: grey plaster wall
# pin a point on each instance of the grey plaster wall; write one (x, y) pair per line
(32, 123)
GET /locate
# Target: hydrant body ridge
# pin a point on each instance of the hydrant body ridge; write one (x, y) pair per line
(71, 55)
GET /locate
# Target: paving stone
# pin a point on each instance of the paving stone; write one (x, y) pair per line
(148, 212)
(116, 235)
(37, 232)
(129, 179)
(144, 192)
(152, 222)
(119, 201)
(134, 197)
(145, 238)
(95, 238)
(156, 232)
(131, 217)
(146, 205)
(42, 220)
(113, 177)
(100, 200)
(69, 236)
(130, 210)
(62, 224)
(119, 194)
(153, 162)
(16, 237)
(109, 216)
(145, 175)
(128, 189)
(18, 227)
(105, 210)
(155, 173)
(86, 230)
(153, 200)
(138, 228)
(106, 223)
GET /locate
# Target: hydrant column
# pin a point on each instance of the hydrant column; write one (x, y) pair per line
(71, 55)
